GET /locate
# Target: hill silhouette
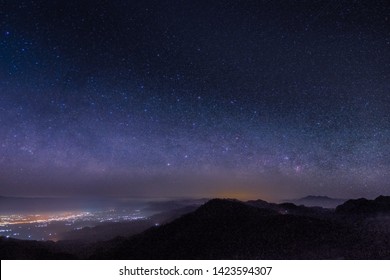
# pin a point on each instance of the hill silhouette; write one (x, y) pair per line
(231, 229)
(11, 249)
(365, 206)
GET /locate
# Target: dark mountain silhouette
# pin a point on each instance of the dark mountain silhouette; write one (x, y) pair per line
(380, 205)
(319, 201)
(11, 249)
(230, 229)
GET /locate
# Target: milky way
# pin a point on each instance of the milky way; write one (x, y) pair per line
(200, 98)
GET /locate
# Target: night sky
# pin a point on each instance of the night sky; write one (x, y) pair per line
(266, 99)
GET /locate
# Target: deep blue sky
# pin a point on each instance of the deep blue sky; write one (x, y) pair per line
(271, 99)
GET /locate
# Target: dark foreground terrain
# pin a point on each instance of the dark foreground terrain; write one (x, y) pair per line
(231, 229)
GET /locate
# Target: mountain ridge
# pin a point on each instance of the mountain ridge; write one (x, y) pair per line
(232, 229)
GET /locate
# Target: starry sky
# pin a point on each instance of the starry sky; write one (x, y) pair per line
(267, 99)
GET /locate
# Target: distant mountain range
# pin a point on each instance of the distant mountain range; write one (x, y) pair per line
(320, 201)
(231, 229)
